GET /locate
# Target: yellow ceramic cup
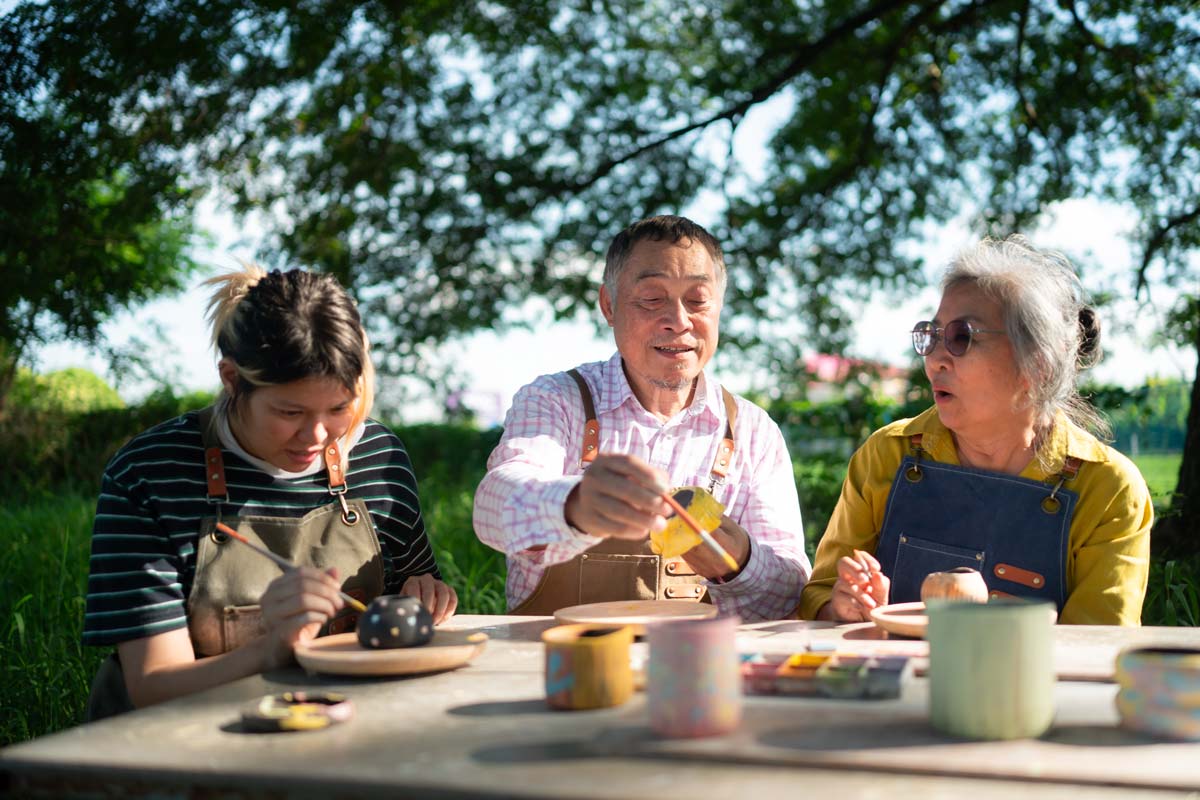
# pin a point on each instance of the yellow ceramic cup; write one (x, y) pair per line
(587, 666)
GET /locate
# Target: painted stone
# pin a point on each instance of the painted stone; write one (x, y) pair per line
(395, 620)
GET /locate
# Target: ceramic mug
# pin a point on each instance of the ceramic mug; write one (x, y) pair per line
(587, 666)
(694, 680)
(991, 668)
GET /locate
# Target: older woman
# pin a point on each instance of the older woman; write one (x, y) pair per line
(1000, 475)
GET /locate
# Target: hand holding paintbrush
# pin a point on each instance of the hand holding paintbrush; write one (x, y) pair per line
(705, 536)
(861, 586)
(283, 563)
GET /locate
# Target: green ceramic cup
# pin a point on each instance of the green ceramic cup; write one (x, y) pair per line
(991, 668)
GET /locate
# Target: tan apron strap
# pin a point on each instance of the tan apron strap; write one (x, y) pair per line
(214, 464)
(591, 427)
(337, 480)
(724, 457)
(333, 465)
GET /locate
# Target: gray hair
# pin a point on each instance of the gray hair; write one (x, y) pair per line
(1054, 333)
(661, 228)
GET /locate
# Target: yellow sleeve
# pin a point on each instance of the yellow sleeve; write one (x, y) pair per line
(1108, 563)
(858, 517)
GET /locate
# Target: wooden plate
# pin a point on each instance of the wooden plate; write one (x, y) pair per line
(341, 654)
(634, 612)
(905, 619)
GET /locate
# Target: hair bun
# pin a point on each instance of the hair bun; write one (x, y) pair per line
(1089, 338)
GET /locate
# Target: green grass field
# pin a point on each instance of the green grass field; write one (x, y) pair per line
(1161, 471)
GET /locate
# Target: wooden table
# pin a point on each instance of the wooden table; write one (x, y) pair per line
(484, 730)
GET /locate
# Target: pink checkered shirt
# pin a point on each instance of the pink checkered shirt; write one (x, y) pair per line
(519, 503)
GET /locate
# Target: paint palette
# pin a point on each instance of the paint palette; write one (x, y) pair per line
(842, 676)
(341, 654)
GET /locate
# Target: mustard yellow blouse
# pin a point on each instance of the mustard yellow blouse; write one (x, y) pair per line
(1108, 553)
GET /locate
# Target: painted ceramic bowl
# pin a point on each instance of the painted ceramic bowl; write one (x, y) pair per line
(395, 621)
(961, 584)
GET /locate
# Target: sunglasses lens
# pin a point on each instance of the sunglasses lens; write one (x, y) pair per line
(924, 336)
(957, 337)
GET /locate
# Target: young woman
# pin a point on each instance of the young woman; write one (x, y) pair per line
(288, 457)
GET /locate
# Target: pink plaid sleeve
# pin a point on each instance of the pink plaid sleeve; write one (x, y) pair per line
(519, 503)
(769, 586)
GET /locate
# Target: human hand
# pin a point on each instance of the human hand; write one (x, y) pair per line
(294, 607)
(437, 596)
(620, 497)
(860, 587)
(736, 542)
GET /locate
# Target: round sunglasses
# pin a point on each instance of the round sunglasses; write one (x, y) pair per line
(956, 335)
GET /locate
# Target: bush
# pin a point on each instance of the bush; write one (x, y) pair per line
(64, 447)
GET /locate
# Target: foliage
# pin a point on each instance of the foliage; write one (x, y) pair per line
(64, 446)
(1153, 414)
(70, 391)
(1173, 593)
(449, 159)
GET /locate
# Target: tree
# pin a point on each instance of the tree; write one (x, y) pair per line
(447, 159)
(86, 227)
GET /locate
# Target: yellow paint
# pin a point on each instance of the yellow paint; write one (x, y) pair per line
(677, 538)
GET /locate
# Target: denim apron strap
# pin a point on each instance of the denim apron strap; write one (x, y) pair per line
(1013, 530)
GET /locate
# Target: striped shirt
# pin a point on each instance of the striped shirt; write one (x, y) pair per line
(153, 497)
(519, 503)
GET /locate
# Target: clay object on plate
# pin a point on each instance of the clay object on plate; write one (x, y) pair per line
(395, 620)
(962, 584)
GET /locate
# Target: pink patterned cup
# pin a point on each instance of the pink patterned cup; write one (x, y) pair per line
(694, 683)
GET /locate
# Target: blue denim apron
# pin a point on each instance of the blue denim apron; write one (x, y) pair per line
(1013, 530)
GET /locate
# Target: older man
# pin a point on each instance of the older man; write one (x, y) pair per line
(575, 486)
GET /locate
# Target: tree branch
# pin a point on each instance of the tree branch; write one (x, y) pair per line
(1156, 243)
(806, 55)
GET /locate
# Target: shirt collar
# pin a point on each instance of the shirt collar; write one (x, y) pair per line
(615, 391)
(1066, 439)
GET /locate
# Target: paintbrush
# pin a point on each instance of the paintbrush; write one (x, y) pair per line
(283, 563)
(705, 536)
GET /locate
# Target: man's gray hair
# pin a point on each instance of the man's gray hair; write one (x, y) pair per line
(661, 228)
(1054, 333)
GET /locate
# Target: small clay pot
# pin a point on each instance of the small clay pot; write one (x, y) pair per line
(396, 620)
(962, 584)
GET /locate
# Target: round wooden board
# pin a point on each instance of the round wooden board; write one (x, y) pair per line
(637, 613)
(341, 654)
(905, 619)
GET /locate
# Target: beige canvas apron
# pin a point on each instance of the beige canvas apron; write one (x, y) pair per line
(621, 569)
(222, 609)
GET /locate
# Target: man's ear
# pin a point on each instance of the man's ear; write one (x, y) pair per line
(606, 305)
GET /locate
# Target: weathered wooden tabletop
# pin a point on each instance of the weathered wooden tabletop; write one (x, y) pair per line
(485, 730)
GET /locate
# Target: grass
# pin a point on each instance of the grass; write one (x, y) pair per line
(1161, 471)
(43, 568)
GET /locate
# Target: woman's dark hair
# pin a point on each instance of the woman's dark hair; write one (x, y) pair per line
(278, 327)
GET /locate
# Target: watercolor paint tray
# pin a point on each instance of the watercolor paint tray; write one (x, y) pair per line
(841, 676)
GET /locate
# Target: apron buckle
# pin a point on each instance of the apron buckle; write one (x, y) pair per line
(914, 474)
(349, 515)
